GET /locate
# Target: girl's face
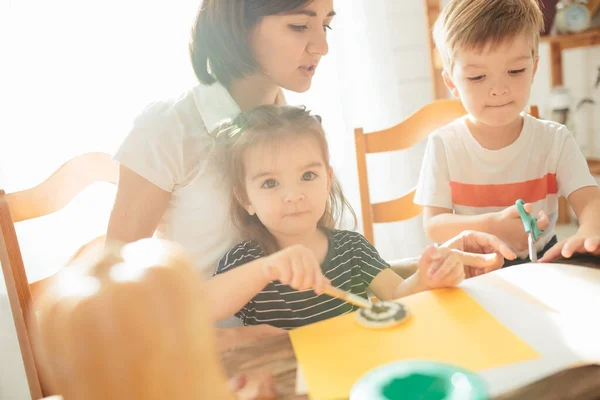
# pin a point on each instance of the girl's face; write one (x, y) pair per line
(287, 185)
(288, 48)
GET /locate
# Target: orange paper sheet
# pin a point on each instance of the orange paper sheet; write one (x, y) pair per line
(445, 325)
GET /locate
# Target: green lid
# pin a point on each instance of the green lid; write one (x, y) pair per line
(423, 380)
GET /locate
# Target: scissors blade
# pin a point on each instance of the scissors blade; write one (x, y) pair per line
(532, 249)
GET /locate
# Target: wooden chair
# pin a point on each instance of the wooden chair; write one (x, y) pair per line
(406, 134)
(48, 197)
(433, 9)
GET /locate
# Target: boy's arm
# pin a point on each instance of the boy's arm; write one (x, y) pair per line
(586, 204)
(577, 184)
(228, 292)
(435, 194)
(441, 224)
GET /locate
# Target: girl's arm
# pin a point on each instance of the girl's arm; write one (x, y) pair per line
(388, 285)
(229, 292)
(138, 208)
(404, 267)
(437, 268)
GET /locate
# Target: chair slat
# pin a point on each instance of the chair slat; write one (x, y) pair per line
(48, 197)
(416, 128)
(399, 209)
(413, 130)
(53, 194)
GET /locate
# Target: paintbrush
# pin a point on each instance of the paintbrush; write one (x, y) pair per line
(352, 298)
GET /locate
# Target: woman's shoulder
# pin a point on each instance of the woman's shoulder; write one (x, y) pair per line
(169, 112)
(197, 110)
(169, 141)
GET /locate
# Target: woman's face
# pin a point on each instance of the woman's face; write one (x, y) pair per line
(288, 47)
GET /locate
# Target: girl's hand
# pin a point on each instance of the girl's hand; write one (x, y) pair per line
(480, 252)
(439, 267)
(296, 266)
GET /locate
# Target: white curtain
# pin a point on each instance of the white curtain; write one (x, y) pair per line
(357, 85)
(78, 73)
(75, 73)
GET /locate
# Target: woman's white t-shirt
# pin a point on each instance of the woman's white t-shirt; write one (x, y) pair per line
(169, 145)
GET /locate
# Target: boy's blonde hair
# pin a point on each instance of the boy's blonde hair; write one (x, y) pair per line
(268, 125)
(472, 24)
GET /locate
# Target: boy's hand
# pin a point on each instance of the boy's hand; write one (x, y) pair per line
(578, 243)
(586, 204)
(296, 266)
(439, 267)
(509, 227)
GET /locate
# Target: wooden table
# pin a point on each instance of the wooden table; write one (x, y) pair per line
(277, 356)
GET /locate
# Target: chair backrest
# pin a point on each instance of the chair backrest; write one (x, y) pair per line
(406, 134)
(433, 9)
(48, 197)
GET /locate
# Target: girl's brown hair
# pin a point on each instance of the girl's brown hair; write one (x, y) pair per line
(219, 46)
(265, 125)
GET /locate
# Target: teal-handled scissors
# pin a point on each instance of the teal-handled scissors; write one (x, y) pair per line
(531, 228)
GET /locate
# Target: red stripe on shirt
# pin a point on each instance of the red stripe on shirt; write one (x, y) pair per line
(503, 195)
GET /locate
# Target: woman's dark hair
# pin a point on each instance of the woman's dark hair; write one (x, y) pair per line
(219, 47)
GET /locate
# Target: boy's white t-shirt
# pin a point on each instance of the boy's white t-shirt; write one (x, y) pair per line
(543, 163)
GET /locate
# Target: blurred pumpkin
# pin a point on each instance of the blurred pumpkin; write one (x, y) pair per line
(129, 323)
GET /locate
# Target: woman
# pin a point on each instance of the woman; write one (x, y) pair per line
(243, 53)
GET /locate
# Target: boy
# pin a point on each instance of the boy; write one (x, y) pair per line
(476, 168)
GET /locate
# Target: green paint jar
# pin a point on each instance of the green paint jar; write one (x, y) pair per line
(422, 380)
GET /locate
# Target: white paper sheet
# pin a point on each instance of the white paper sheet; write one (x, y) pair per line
(552, 307)
(301, 387)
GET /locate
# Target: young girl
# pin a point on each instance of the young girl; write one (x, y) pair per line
(287, 203)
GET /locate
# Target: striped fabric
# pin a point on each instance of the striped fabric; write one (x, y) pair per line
(351, 264)
(503, 195)
(543, 163)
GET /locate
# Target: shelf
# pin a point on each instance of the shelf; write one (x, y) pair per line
(574, 40)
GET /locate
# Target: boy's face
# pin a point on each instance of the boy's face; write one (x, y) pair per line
(494, 83)
(287, 185)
